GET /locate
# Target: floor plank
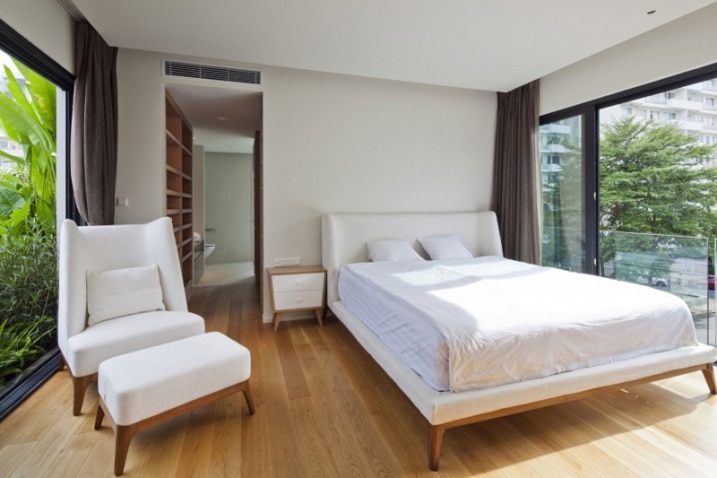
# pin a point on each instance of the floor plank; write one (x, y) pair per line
(324, 409)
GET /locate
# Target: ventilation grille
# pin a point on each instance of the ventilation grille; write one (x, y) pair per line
(208, 72)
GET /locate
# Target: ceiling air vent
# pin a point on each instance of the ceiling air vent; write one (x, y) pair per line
(210, 72)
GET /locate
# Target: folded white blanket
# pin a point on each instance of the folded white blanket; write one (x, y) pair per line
(468, 324)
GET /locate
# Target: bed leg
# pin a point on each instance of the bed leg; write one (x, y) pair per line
(709, 374)
(434, 446)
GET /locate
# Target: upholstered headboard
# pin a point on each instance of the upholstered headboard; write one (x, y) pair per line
(344, 235)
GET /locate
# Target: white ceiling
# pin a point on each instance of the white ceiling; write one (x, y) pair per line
(223, 119)
(493, 45)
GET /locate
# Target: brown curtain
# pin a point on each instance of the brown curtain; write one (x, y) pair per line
(514, 174)
(93, 162)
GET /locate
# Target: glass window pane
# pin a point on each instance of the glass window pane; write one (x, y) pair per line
(561, 165)
(28, 218)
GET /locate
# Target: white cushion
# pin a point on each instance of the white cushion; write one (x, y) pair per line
(392, 250)
(120, 292)
(85, 351)
(444, 247)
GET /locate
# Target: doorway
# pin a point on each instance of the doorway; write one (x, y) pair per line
(226, 124)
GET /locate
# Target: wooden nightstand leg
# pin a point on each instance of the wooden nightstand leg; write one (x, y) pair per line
(277, 319)
(318, 313)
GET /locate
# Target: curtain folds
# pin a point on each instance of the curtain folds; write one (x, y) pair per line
(93, 161)
(515, 191)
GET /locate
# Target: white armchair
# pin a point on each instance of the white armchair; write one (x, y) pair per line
(111, 295)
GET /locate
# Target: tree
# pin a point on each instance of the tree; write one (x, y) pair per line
(654, 179)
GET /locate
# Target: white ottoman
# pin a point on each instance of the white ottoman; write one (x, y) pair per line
(144, 388)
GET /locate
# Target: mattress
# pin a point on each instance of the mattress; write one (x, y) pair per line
(472, 324)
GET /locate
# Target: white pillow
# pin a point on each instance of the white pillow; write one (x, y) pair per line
(392, 250)
(120, 292)
(444, 247)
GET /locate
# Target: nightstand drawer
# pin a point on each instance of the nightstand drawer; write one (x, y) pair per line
(294, 282)
(298, 299)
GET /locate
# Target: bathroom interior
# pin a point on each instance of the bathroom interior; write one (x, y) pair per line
(228, 220)
(224, 121)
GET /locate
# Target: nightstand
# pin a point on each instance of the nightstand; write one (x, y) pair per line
(297, 288)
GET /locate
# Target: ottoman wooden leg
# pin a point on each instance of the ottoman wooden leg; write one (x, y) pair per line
(98, 418)
(122, 441)
(247, 395)
(123, 437)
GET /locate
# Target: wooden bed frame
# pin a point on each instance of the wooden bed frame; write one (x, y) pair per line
(344, 238)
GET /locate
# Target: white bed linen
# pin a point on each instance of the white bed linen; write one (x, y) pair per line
(530, 321)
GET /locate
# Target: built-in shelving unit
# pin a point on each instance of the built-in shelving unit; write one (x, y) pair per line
(179, 183)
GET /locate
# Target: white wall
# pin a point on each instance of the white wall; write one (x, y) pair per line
(46, 24)
(685, 44)
(198, 160)
(331, 143)
(229, 206)
(141, 139)
(342, 143)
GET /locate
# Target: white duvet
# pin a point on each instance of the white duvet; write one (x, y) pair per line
(477, 323)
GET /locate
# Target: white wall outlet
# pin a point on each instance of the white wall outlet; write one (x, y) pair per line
(124, 202)
(287, 261)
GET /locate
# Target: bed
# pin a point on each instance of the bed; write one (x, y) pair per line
(447, 405)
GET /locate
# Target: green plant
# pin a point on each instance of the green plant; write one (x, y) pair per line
(28, 297)
(28, 268)
(20, 344)
(28, 118)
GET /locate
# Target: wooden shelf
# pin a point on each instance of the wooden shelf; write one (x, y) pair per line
(178, 188)
(174, 170)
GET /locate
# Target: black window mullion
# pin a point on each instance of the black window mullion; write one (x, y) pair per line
(591, 188)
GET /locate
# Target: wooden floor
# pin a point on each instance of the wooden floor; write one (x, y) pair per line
(324, 408)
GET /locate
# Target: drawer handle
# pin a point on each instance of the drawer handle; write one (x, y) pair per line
(299, 300)
(299, 282)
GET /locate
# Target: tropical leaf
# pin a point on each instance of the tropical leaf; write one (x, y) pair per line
(9, 201)
(16, 91)
(19, 217)
(16, 159)
(25, 129)
(43, 93)
(39, 134)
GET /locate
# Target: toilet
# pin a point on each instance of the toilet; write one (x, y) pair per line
(208, 249)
